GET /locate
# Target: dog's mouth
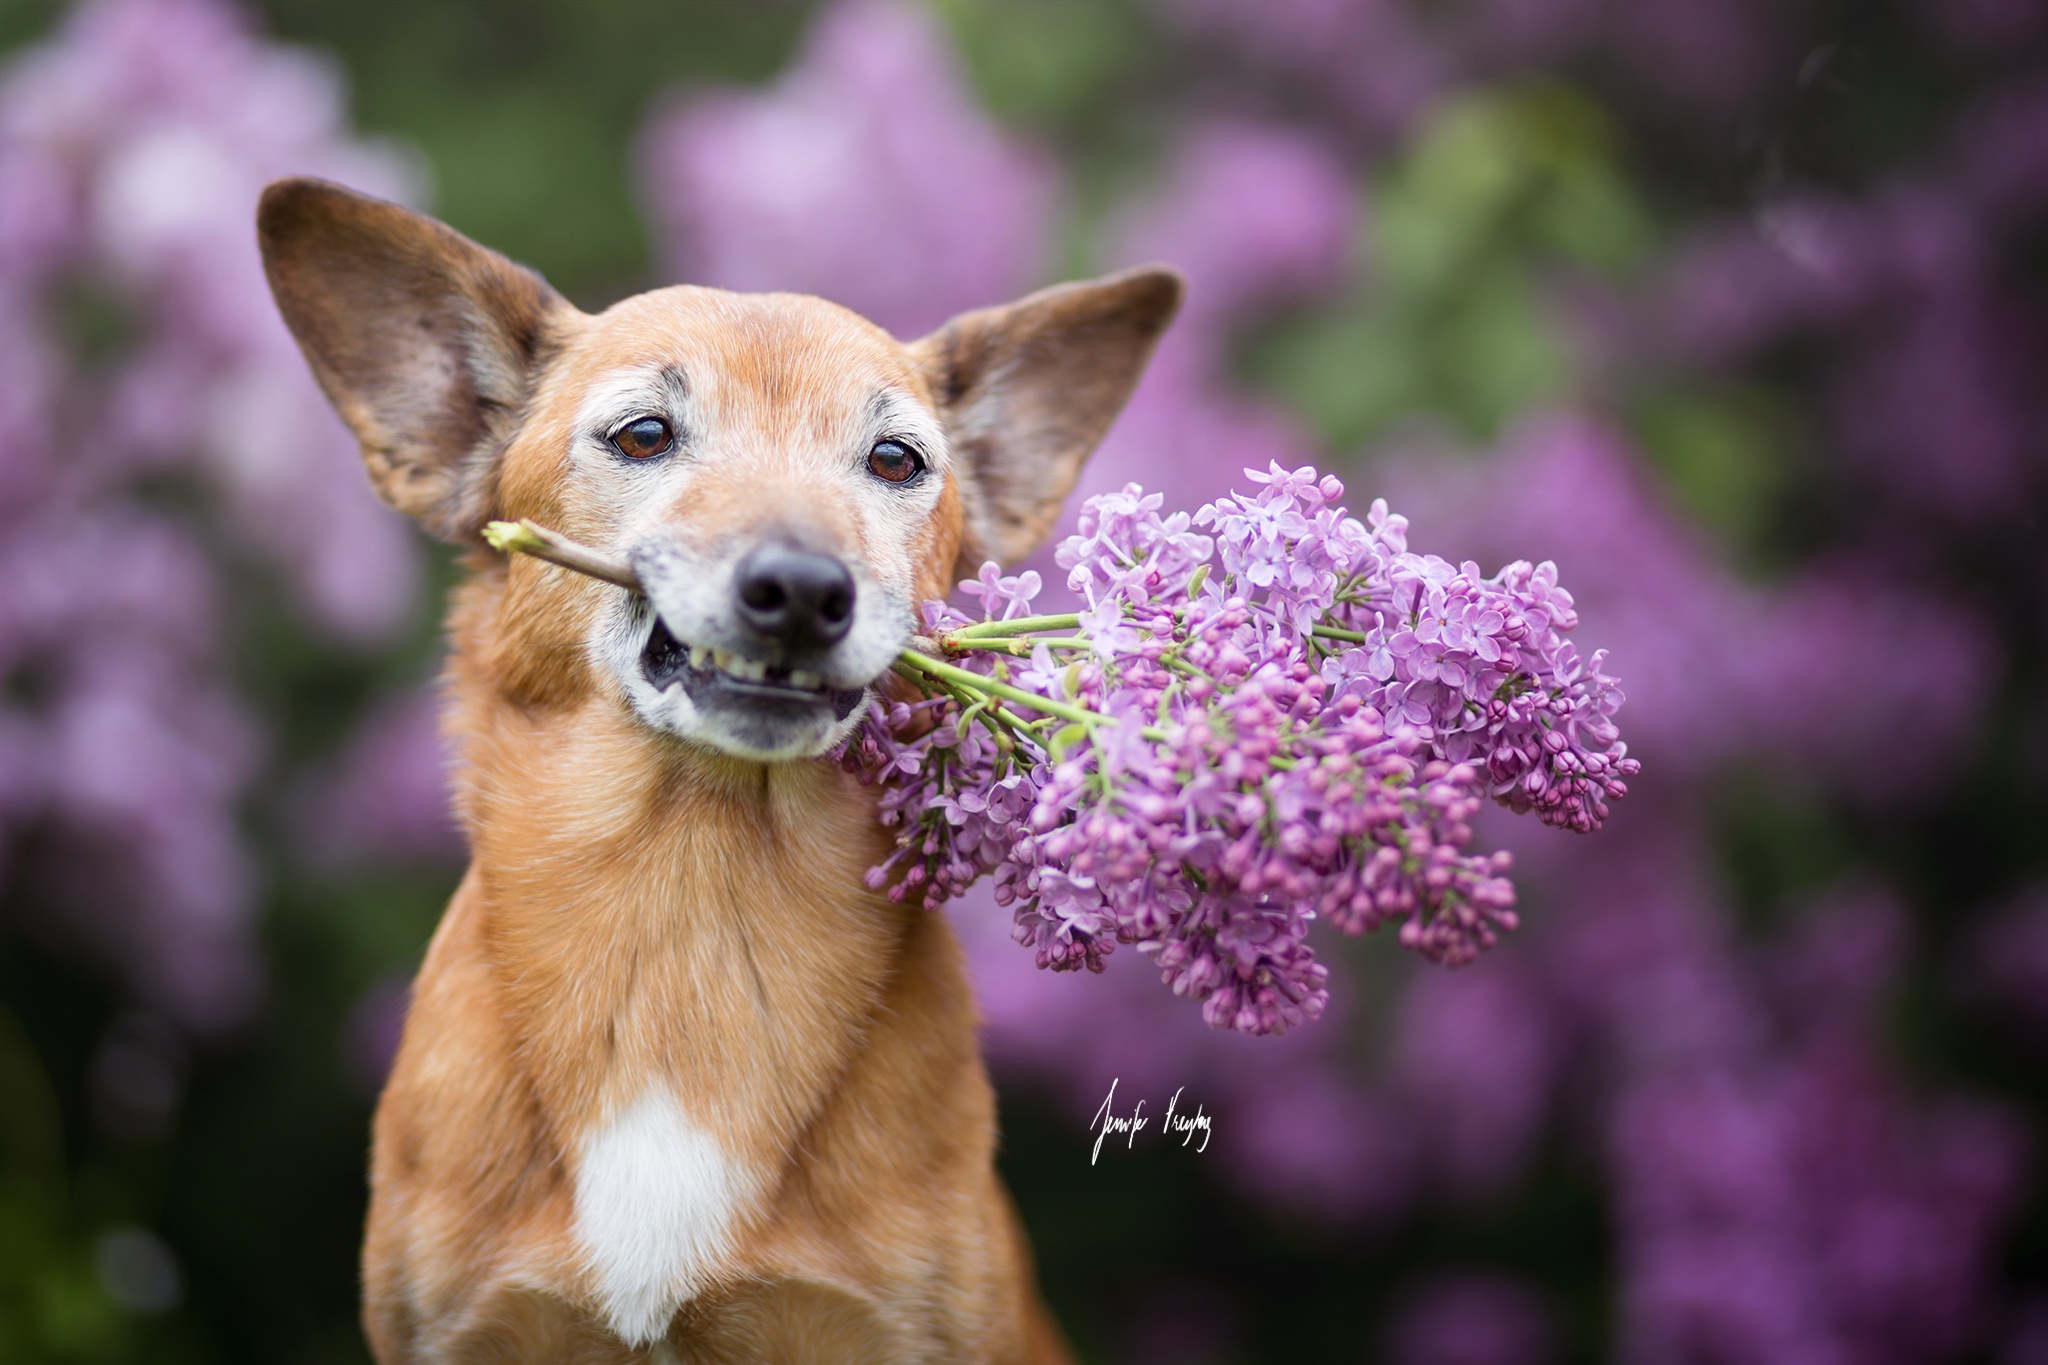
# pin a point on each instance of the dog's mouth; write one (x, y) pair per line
(711, 675)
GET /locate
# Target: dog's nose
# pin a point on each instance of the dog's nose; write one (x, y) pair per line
(795, 597)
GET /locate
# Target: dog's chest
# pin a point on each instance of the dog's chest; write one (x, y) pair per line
(656, 1201)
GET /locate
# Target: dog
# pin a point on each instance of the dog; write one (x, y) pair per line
(675, 1084)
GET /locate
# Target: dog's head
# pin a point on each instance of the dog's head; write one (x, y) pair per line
(788, 480)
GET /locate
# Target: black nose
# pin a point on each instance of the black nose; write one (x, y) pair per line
(795, 597)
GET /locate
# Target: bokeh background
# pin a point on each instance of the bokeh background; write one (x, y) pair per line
(1732, 307)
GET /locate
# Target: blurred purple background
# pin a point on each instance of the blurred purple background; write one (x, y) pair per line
(1733, 309)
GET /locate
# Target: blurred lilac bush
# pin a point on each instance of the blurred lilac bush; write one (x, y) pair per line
(785, 189)
(1780, 1192)
(157, 427)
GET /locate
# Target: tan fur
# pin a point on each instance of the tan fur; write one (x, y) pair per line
(641, 909)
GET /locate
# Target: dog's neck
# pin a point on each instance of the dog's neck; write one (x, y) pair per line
(659, 916)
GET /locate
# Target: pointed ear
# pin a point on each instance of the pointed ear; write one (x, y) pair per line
(1028, 390)
(426, 343)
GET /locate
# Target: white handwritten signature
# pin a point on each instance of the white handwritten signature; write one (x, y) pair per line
(1107, 1122)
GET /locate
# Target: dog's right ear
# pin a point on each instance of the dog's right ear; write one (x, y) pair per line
(426, 343)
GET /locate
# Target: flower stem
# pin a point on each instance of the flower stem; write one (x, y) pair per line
(528, 538)
(1023, 625)
(981, 682)
(1016, 646)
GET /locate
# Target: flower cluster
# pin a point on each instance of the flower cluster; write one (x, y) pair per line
(125, 753)
(1269, 713)
(1485, 665)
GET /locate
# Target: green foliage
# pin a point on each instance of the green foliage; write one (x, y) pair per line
(1725, 451)
(1499, 193)
(21, 20)
(51, 1306)
(1051, 62)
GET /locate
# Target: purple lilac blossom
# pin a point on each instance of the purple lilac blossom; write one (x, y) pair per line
(147, 186)
(130, 754)
(1296, 718)
(866, 174)
(1639, 574)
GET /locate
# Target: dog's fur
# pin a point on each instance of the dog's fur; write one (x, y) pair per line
(675, 1086)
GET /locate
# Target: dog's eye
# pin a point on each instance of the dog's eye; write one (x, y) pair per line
(895, 462)
(643, 439)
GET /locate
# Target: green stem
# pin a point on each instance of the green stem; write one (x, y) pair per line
(531, 538)
(1023, 625)
(1023, 727)
(981, 682)
(1017, 648)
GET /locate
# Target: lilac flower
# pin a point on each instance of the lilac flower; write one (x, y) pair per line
(148, 188)
(132, 761)
(1003, 598)
(866, 175)
(1199, 772)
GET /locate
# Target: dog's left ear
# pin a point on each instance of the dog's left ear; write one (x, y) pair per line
(1028, 391)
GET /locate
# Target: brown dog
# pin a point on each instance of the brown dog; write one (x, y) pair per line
(675, 1085)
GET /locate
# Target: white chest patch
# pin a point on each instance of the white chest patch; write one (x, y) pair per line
(655, 1199)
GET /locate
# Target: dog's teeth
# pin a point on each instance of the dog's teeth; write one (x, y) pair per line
(801, 678)
(723, 658)
(752, 669)
(699, 655)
